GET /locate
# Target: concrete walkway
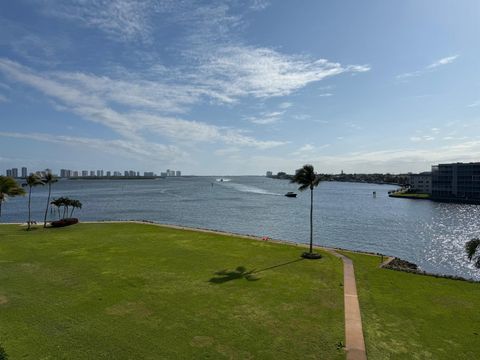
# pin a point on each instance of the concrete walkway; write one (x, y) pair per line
(354, 342)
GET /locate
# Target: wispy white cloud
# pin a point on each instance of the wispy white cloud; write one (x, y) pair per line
(214, 66)
(120, 19)
(266, 117)
(474, 104)
(3, 98)
(433, 66)
(309, 149)
(129, 149)
(94, 99)
(259, 4)
(394, 160)
(443, 61)
(285, 105)
(422, 138)
(238, 71)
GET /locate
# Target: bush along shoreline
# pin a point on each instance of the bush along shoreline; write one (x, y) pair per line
(398, 264)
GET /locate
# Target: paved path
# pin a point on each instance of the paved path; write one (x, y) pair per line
(354, 343)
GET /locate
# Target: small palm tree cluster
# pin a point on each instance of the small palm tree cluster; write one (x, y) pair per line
(66, 203)
(10, 188)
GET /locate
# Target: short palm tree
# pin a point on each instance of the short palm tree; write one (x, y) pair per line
(308, 179)
(472, 248)
(48, 179)
(31, 181)
(9, 188)
(57, 203)
(76, 204)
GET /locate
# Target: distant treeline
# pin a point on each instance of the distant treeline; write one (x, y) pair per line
(400, 179)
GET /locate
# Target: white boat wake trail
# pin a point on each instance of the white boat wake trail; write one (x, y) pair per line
(249, 189)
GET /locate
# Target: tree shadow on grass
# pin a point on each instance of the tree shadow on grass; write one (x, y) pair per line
(241, 272)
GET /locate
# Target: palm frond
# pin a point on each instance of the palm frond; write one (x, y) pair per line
(33, 180)
(10, 187)
(304, 187)
(306, 177)
(49, 178)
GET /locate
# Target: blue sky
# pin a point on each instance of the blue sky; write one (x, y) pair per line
(239, 87)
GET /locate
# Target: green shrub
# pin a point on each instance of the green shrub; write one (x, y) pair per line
(3, 354)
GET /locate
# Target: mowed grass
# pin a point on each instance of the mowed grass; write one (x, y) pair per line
(408, 316)
(133, 291)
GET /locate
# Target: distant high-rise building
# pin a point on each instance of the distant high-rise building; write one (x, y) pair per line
(138, 173)
(75, 173)
(65, 173)
(92, 173)
(117, 173)
(163, 174)
(126, 173)
(84, 172)
(15, 172)
(109, 173)
(99, 173)
(9, 172)
(24, 172)
(269, 174)
(178, 173)
(148, 173)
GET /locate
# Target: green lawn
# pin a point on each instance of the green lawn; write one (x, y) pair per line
(408, 316)
(411, 195)
(132, 291)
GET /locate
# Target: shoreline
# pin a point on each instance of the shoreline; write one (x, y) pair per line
(384, 264)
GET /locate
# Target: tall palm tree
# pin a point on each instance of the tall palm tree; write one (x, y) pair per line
(31, 181)
(9, 188)
(48, 179)
(308, 179)
(472, 248)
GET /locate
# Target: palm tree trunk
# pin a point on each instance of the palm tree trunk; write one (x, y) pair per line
(311, 220)
(29, 207)
(48, 204)
(0, 208)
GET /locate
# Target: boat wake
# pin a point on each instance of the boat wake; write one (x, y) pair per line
(250, 189)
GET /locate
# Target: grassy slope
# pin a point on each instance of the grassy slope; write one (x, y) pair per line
(407, 316)
(411, 195)
(123, 291)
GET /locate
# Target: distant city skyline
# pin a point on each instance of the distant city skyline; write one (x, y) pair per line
(229, 87)
(65, 173)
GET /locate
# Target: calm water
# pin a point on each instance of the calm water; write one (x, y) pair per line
(346, 215)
